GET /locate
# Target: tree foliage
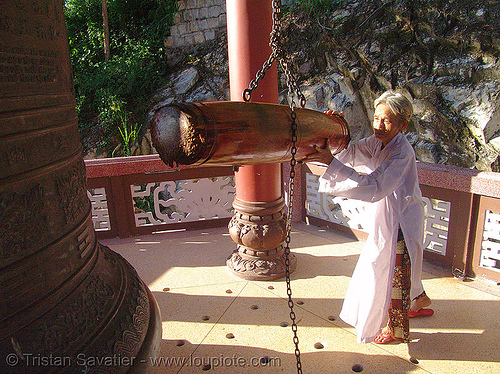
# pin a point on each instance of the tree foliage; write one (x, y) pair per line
(111, 95)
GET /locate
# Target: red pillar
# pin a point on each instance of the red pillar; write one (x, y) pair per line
(249, 23)
(258, 226)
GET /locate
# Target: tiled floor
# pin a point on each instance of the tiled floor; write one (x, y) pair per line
(201, 303)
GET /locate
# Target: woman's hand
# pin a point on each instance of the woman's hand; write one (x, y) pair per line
(320, 154)
(334, 113)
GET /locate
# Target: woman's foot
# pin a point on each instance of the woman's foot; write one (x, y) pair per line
(385, 338)
(420, 302)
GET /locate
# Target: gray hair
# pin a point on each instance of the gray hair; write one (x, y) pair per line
(397, 103)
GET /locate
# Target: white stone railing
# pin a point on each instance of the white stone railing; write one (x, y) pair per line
(134, 195)
(353, 214)
(462, 216)
(139, 195)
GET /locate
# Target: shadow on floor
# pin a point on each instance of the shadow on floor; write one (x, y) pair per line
(436, 346)
(189, 358)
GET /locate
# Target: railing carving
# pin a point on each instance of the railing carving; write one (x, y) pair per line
(490, 248)
(100, 212)
(353, 214)
(456, 201)
(437, 218)
(158, 203)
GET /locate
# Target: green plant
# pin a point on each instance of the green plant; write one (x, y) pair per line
(129, 137)
(114, 114)
(136, 68)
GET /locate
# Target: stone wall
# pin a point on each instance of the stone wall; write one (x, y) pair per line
(197, 21)
(451, 73)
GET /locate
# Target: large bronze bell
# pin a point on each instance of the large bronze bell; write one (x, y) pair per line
(68, 304)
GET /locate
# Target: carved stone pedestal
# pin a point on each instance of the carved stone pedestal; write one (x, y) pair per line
(259, 230)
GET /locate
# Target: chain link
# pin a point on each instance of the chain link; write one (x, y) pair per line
(276, 51)
(278, 55)
(291, 185)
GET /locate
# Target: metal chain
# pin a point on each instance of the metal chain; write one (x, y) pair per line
(293, 163)
(293, 89)
(275, 51)
(277, 54)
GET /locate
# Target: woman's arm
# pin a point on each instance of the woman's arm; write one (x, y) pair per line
(342, 180)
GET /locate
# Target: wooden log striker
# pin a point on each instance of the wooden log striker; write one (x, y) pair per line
(241, 133)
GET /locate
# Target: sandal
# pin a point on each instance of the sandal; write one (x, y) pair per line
(385, 338)
(421, 313)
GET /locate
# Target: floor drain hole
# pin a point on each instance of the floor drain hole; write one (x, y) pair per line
(254, 307)
(357, 368)
(284, 324)
(414, 360)
(230, 336)
(318, 345)
(179, 343)
(205, 318)
(331, 318)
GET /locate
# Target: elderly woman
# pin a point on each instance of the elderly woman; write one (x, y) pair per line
(388, 273)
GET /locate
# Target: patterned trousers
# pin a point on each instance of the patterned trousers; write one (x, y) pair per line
(399, 322)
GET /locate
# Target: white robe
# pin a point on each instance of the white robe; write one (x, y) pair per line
(393, 188)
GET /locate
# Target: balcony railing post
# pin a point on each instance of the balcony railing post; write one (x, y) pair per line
(123, 206)
(459, 233)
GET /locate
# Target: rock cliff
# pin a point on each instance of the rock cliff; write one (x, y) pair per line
(442, 54)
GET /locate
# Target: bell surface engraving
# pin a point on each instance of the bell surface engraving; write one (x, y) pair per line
(64, 296)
